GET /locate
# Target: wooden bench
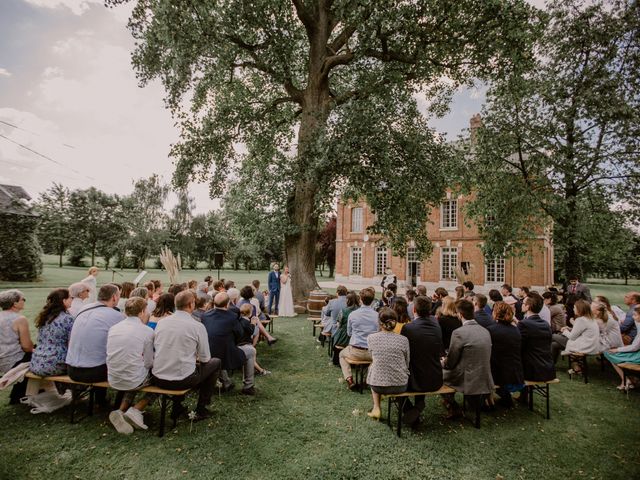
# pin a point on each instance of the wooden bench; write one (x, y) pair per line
(315, 323)
(164, 395)
(539, 388)
(581, 359)
(359, 367)
(628, 367)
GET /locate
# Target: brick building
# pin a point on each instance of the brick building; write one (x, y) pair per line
(363, 259)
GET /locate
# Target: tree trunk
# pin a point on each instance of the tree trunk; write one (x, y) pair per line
(61, 253)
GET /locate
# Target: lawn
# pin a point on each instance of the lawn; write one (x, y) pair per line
(305, 423)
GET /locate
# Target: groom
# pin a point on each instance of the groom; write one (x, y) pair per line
(274, 287)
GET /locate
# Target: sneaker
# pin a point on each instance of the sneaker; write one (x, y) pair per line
(264, 373)
(117, 420)
(134, 417)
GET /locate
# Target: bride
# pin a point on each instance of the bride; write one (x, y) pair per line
(285, 306)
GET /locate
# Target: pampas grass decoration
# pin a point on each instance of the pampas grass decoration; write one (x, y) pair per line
(170, 264)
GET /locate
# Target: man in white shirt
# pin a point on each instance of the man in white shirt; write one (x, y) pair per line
(182, 357)
(129, 358)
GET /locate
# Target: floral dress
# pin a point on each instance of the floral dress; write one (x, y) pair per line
(51, 350)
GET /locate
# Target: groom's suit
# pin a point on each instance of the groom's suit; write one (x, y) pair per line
(274, 289)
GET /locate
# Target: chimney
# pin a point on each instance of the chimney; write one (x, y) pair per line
(474, 124)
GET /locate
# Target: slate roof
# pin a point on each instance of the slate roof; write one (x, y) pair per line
(14, 200)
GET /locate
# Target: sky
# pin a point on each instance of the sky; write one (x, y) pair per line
(67, 84)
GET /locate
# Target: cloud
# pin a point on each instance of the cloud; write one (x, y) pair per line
(4, 72)
(78, 7)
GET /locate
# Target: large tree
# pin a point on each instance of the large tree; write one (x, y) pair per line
(560, 141)
(322, 94)
(54, 232)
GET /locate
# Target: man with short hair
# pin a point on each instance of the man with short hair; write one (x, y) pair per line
(537, 362)
(360, 324)
(436, 299)
(79, 292)
(479, 313)
(129, 359)
(421, 291)
(425, 347)
(468, 288)
(467, 367)
(334, 307)
(224, 332)
(258, 294)
(274, 288)
(182, 357)
(628, 327)
(87, 353)
(510, 299)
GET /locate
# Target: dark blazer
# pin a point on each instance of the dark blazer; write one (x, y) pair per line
(483, 318)
(425, 347)
(274, 281)
(225, 332)
(536, 349)
(448, 324)
(506, 351)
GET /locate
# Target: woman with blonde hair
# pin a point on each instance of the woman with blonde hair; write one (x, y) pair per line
(448, 320)
(584, 337)
(610, 336)
(92, 283)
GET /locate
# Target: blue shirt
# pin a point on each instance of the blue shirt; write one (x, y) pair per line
(628, 327)
(88, 340)
(360, 324)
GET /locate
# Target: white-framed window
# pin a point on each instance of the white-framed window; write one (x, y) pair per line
(356, 220)
(412, 257)
(356, 261)
(381, 260)
(494, 270)
(449, 214)
(448, 263)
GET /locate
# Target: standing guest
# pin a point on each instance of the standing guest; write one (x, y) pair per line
(125, 293)
(79, 293)
(556, 310)
(388, 279)
(467, 367)
(54, 323)
(274, 288)
(468, 287)
(360, 324)
(389, 370)
(628, 327)
(224, 333)
(537, 362)
(626, 354)
(15, 342)
(341, 337)
(91, 281)
(334, 307)
(402, 317)
(479, 313)
(165, 306)
(425, 345)
(151, 298)
(410, 294)
(506, 359)
(129, 359)
(437, 297)
(87, 353)
(448, 320)
(608, 325)
(584, 337)
(575, 291)
(182, 358)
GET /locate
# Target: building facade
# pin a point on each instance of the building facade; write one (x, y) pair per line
(363, 258)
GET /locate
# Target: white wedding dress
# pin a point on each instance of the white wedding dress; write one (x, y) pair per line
(285, 306)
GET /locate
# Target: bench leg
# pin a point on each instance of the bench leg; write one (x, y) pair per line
(546, 389)
(530, 398)
(163, 414)
(585, 369)
(389, 411)
(92, 398)
(401, 403)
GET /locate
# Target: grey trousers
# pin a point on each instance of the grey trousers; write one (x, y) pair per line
(248, 368)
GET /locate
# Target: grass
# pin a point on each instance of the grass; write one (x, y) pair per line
(305, 423)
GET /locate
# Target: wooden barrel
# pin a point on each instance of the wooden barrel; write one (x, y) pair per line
(316, 302)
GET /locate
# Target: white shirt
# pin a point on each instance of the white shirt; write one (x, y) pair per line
(545, 314)
(129, 353)
(151, 306)
(179, 341)
(76, 306)
(92, 283)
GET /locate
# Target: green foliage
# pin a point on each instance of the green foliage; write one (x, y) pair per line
(19, 248)
(559, 141)
(54, 232)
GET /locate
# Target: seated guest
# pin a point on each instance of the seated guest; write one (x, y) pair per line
(459, 292)
(182, 359)
(448, 320)
(79, 293)
(506, 347)
(165, 306)
(584, 337)
(15, 341)
(421, 291)
(402, 317)
(467, 367)
(247, 317)
(234, 297)
(626, 354)
(54, 324)
(151, 298)
(608, 325)
(425, 345)
(628, 326)
(201, 307)
(510, 299)
(468, 289)
(389, 370)
(202, 291)
(157, 284)
(535, 333)
(325, 318)
(224, 332)
(341, 337)
(393, 288)
(411, 295)
(141, 292)
(556, 311)
(125, 293)
(129, 358)
(259, 297)
(248, 297)
(334, 307)
(360, 324)
(494, 296)
(436, 299)
(479, 312)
